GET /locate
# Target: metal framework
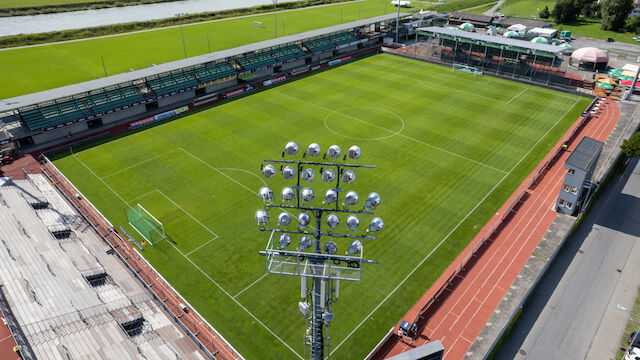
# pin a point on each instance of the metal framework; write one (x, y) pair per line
(325, 269)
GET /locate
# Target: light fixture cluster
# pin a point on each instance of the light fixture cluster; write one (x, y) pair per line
(333, 167)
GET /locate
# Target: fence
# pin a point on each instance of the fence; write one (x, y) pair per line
(197, 328)
(26, 352)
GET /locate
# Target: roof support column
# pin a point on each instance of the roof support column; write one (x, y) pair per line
(500, 60)
(455, 50)
(484, 57)
(533, 67)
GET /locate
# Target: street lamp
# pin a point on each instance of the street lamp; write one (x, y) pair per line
(179, 15)
(305, 217)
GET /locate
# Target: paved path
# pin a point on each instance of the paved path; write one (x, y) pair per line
(564, 313)
(473, 295)
(494, 9)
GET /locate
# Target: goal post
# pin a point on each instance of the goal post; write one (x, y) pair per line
(145, 224)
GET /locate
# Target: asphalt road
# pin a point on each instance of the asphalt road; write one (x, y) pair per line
(565, 311)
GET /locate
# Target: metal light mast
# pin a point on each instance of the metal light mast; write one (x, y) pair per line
(311, 219)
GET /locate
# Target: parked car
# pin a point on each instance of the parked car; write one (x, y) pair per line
(610, 40)
(633, 340)
(633, 353)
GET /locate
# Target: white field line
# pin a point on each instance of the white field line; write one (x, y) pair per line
(520, 93)
(451, 232)
(141, 196)
(218, 170)
(394, 132)
(202, 272)
(140, 163)
(201, 246)
(186, 212)
(253, 283)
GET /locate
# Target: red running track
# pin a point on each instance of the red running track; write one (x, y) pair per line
(468, 302)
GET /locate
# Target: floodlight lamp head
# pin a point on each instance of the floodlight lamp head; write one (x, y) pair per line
(354, 152)
(376, 224)
(308, 175)
(331, 196)
(304, 220)
(284, 240)
(330, 248)
(284, 219)
(305, 243)
(262, 217)
(351, 198)
(266, 194)
(289, 172)
(308, 194)
(349, 177)
(291, 148)
(353, 222)
(269, 171)
(334, 151)
(313, 150)
(333, 220)
(355, 247)
(329, 175)
(328, 316)
(373, 200)
(287, 193)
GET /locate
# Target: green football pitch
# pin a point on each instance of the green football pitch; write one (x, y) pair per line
(449, 148)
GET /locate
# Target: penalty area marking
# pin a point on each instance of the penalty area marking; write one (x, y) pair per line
(199, 269)
(253, 283)
(454, 229)
(140, 163)
(515, 97)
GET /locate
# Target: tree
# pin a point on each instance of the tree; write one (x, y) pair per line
(631, 147)
(633, 24)
(544, 13)
(565, 11)
(614, 13)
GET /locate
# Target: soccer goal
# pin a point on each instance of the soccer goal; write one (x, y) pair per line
(145, 224)
(466, 68)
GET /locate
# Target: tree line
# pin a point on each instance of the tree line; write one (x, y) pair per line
(613, 14)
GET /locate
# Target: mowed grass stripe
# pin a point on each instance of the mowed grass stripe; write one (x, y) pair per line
(425, 192)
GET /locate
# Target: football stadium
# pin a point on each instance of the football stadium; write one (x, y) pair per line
(145, 184)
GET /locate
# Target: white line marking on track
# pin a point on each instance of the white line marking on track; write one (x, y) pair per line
(253, 283)
(451, 232)
(520, 93)
(391, 131)
(201, 271)
(140, 163)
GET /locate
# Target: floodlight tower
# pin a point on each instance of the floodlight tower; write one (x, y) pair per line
(310, 219)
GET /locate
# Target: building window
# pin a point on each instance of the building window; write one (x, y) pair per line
(571, 171)
(569, 205)
(574, 190)
(561, 202)
(566, 188)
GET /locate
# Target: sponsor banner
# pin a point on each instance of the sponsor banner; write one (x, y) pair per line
(364, 40)
(342, 46)
(354, 43)
(274, 80)
(338, 61)
(205, 100)
(5, 141)
(314, 68)
(158, 117)
(300, 71)
(233, 93)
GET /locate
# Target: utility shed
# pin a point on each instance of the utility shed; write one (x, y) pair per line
(431, 351)
(577, 183)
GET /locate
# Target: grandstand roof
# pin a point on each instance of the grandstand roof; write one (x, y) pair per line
(585, 154)
(83, 87)
(498, 40)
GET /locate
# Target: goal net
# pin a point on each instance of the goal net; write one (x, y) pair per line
(145, 224)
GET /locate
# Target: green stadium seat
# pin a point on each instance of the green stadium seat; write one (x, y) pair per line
(256, 60)
(213, 71)
(287, 52)
(343, 38)
(169, 83)
(114, 98)
(45, 115)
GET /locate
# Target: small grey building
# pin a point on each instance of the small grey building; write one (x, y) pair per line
(577, 183)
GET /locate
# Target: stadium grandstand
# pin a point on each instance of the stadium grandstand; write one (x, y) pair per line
(481, 53)
(76, 112)
(64, 296)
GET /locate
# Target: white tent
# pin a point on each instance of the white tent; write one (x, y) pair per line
(543, 32)
(519, 28)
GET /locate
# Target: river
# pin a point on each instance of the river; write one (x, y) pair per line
(34, 24)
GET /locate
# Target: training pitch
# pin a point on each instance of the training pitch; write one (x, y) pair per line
(449, 148)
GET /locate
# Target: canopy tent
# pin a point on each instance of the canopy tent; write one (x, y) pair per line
(519, 28)
(466, 26)
(605, 85)
(544, 32)
(589, 58)
(615, 72)
(566, 47)
(510, 34)
(539, 40)
(629, 82)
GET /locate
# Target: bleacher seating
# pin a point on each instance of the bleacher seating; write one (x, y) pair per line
(52, 114)
(319, 44)
(287, 52)
(256, 60)
(211, 71)
(171, 82)
(114, 98)
(343, 38)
